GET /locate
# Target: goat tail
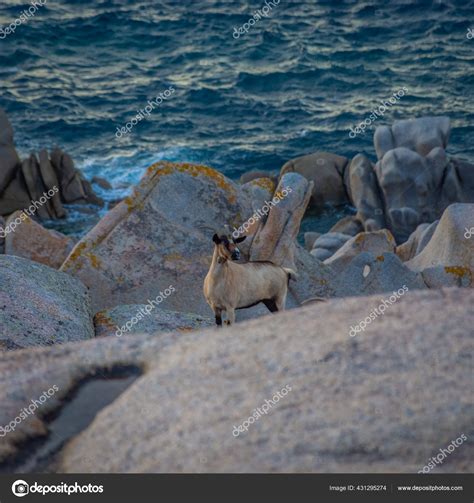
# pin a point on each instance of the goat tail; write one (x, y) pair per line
(291, 274)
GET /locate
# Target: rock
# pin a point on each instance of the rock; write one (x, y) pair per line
(40, 306)
(32, 241)
(6, 129)
(426, 236)
(91, 196)
(349, 225)
(377, 242)
(327, 244)
(309, 239)
(458, 186)
(364, 192)
(439, 276)
(24, 182)
(321, 253)
(352, 405)
(36, 188)
(114, 202)
(260, 191)
(411, 187)
(15, 196)
(258, 173)
(102, 182)
(263, 188)
(159, 236)
(448, 258)
(51, 182)
(74, 187)
(71, 187)
(420, 135)
(315, 279)
(413, 182)
(9, 160)
(275, 238)
(2, 235)
(110, 321)
(313, 300)
(369, 274)
(411, 247)
(326, 171)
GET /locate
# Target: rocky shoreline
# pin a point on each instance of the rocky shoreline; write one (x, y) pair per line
(413, 207)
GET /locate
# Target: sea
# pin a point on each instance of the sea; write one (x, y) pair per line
(255, 83)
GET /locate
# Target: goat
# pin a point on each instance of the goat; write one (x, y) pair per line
(229, 286)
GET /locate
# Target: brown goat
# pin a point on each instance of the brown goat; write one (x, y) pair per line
(229, 286)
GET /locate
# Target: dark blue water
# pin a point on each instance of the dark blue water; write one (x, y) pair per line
(293, 84)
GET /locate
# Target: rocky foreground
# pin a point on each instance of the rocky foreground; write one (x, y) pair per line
(384, 401)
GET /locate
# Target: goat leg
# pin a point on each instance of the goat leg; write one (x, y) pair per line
(218, 316)
(281, 302)
(230, 316)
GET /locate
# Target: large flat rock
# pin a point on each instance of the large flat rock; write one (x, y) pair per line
(383, 401)
(449, 245)
(40, 306)
(368, 274)
(448, 257)
(32, 241)
(146, 319)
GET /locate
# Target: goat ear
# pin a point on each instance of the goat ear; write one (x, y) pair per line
(216, 239)
(239, 240)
